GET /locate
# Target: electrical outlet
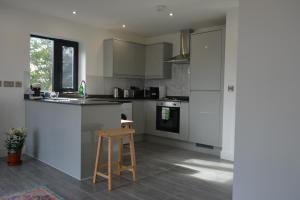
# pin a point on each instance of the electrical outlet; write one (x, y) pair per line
(18, 84)
(8, 84)
(0, 83)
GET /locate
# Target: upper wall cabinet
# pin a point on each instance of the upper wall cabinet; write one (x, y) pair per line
(156, 54)
(123, 59)
(206, 61)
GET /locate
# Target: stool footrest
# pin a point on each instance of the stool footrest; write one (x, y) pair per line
(102, 175)
(126, 168)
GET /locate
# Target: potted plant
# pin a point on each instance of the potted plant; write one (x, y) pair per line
(14, 143)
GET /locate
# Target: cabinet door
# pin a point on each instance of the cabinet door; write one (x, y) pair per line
(123, 58)
(150, 113)
(139, 60)
(205, 118)
(138, 116)
(206, 61)
(154, 60)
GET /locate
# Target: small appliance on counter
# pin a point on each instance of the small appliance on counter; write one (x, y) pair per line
(126, 93)
(146, 93)
(136, 92)
(131, 92)
(118, 93)
(35, 91)
(154, 92)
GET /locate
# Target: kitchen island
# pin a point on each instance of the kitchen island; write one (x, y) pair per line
(63, 133)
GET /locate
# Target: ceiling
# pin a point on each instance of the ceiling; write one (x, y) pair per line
(140, 16)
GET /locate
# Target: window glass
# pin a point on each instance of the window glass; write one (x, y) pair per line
(54, 63)
(67, 68)
(41, 62)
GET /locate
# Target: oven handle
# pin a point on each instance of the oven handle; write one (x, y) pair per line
(168, 104)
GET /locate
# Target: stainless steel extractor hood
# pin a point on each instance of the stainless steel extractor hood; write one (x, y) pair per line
(184, 56)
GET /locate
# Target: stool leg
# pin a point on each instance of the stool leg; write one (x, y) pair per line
(110, 158)
(98, 158)
(120, 160)
(132, 153)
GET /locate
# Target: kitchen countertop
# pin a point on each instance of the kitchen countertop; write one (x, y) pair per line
(111, 98)
(100, 100)
(80, 102)
(126, 100)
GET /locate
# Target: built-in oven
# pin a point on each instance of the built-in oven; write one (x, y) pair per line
(168, 116)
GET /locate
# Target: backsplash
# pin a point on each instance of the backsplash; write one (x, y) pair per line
(105, 85)
(179, 85)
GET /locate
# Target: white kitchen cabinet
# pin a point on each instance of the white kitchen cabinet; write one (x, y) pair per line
(127, 110)
(123, 59)
(156, 54)
(150, 114)
(207, 60)
(207, 65)
(205, 109)
(139, 60)
(138, 116)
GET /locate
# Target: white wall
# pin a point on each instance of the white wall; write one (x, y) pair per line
(229, 98)
(173, 38)
(267, 164)
(16, 27)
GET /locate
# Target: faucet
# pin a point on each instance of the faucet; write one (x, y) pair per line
(82, 89)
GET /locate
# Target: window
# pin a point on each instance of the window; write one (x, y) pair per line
(54, 63)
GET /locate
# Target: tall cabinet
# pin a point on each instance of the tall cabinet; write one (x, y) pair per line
(207, 64)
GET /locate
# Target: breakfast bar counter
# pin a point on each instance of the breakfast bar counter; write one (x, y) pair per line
(64, 135)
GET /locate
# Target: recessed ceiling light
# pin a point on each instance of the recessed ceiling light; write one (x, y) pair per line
(123, 26)
(74, 12)
(171, 14)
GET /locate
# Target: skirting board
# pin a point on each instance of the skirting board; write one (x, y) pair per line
(2, 153)
(181, 144)
(139, 138)
(226, 155)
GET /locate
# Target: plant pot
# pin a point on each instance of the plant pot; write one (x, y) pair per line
(14, 159)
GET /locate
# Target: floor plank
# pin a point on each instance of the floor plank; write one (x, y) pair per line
(163, 173)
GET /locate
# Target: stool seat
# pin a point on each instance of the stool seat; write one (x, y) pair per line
(118, 132)
(115, 134)
(126, 123)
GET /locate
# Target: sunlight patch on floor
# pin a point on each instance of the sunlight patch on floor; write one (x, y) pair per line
(208, 170)
(210, 164)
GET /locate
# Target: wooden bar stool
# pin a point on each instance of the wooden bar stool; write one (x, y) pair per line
(110, 135)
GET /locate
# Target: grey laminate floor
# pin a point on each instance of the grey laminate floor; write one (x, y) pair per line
(164, 173)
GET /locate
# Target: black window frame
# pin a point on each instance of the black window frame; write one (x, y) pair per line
(57, 78)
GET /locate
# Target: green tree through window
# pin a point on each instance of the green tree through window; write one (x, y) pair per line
(41, 62)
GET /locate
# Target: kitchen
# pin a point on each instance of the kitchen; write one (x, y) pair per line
(157, 82)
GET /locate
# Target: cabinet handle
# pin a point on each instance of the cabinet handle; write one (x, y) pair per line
(230, 88)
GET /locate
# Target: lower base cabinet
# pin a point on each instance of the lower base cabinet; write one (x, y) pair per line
(150, 115)
(138, 116)
(205, 117)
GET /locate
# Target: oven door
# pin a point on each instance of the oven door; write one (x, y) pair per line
(168, 118)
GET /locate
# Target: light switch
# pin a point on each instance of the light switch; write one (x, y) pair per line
(230, 88)
(0, 83)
